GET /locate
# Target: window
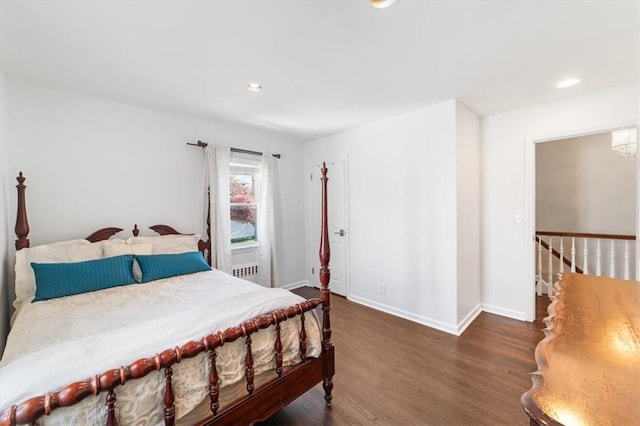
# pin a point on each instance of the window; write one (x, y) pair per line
(243, 190)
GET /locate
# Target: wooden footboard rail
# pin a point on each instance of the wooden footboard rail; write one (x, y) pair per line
(32, 409)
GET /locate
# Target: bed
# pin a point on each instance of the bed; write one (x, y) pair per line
(167, 340)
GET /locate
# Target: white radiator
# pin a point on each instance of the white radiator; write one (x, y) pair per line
(246, 271)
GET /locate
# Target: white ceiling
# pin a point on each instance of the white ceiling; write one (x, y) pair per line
(326, 65)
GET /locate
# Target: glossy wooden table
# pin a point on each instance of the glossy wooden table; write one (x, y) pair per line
(589, 361)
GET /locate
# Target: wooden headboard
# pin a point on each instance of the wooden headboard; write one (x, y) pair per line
(22, 227)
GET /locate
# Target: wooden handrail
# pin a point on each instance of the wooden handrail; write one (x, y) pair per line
(556, 253)
(585, 235)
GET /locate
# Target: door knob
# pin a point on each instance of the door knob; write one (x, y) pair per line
(341, 233)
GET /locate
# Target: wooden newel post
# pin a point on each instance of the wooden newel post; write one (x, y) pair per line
(22, 224)
(325, 277)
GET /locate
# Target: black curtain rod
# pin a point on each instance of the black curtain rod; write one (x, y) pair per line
(201, 144)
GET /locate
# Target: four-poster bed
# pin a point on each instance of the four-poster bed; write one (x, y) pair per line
(273, 367)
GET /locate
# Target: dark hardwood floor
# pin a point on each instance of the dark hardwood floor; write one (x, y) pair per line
(390, 371)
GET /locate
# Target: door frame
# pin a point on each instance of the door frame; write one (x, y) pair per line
(312, 259)
(530, 200)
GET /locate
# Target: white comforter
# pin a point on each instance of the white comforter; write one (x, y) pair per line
(59, 341)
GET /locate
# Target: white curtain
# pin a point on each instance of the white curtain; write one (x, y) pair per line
(266, 232)
(216, 180)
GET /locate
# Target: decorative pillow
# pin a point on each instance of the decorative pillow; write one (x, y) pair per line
(118, 249)
(65, 279)
(63, 251)
(169, 244)
(157, 266)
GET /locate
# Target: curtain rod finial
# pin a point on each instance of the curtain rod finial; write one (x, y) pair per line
(200, 144)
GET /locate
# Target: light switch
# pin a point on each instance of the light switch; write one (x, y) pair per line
(517, 217)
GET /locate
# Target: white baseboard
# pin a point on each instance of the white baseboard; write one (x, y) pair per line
(429, 322)
(456, 330)
(519, 315)
(468, 319)
(292, 286)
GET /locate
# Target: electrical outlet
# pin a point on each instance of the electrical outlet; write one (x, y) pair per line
(382, 289)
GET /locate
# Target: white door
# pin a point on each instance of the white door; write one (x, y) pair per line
(337, 220)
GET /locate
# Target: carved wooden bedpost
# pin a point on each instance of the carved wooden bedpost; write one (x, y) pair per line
(204, 247)
(325, 276)
(22, 224)
(208, 245)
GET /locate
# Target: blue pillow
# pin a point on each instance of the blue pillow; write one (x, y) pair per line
(65, 279)
(158, 266)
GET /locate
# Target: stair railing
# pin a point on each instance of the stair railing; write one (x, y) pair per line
(592, 260)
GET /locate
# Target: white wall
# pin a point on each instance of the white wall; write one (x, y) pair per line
(582, 185)
(4, 239)
(468, 213)
(508, 159)
(402, 186)
(92, 163)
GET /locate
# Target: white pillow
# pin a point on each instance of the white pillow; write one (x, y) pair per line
(60, 252)
(118, 248)
(169, 244)
(111, 243)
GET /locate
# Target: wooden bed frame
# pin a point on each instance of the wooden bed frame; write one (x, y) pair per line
(257, 405)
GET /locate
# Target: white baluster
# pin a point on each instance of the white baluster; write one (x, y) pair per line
(550, 275)
(598, 258)
(626, 260)
(539, 283)
(612, 261)
(585, 255)
(561, 257)
(573, 254)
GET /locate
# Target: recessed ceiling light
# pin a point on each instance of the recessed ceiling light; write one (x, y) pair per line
(254, 87)
(567, 83)
(381, 4)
